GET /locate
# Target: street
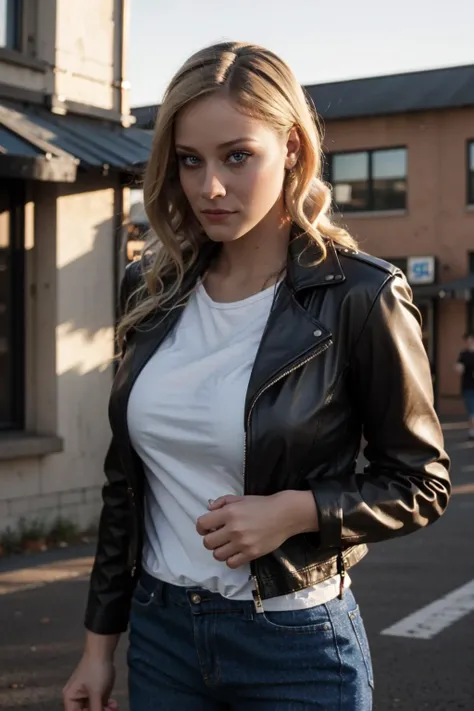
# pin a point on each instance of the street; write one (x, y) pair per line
(42, 600)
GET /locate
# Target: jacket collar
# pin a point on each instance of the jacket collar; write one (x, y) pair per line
(305, 271)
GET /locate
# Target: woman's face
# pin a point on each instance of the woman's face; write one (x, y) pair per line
(231, 166)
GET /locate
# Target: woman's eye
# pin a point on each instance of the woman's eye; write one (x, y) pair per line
(238, 157)
(188, 161)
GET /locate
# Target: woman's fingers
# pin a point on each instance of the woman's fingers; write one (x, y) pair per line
(225, 552)
(216, 539)
(222, 501)
(237, 560)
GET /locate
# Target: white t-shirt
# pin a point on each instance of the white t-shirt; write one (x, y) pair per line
(186, 422)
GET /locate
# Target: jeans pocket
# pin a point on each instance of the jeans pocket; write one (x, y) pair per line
(361, 635)
(306, 621)
(147, 591)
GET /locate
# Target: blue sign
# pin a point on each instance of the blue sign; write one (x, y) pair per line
(421, 270)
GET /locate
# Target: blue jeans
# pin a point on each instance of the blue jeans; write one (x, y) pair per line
(468, 395)
(192, 650)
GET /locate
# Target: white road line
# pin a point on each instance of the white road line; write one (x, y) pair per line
(432, 619)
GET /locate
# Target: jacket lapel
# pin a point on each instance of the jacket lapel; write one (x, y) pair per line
(292, 334)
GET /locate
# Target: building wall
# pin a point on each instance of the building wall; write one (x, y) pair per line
(81, 50)
(70, 240)
(437, 221)
(72, 313)
(87, 60)
(39, 78)
(25, 77)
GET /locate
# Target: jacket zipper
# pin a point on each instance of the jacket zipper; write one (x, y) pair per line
(253, 577)
(131, 494)
(342, 573)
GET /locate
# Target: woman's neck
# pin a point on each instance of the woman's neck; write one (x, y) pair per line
(257, 254)
(249, 264)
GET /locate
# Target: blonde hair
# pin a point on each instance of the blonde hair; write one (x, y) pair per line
(263, 86)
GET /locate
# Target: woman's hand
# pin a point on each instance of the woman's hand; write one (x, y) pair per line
(242, 528)
(90, 686)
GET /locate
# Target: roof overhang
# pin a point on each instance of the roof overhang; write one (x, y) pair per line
(44, 168)
(462, 289)
(38, 145)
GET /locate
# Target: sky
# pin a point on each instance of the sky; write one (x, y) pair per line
(321, 41)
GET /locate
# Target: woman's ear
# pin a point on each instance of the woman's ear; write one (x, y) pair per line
(293, 148)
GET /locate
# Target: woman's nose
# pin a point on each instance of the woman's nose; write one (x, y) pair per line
(212, 186)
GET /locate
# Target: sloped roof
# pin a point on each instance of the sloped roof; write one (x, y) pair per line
(427, 90)
(436, 89)
(37, 144)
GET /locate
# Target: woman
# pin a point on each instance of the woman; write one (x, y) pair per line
(258, 345)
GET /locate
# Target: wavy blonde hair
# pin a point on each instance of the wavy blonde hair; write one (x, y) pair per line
(263, 86)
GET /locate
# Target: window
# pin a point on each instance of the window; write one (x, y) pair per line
(18, 27)
(10, 24)
(369, 180)
(11, 306)
(470, 303)
(470, 173)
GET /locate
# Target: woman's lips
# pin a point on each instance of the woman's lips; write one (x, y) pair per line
(217, 215)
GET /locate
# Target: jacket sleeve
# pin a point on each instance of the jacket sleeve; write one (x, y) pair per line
(111, 583)
(406, 483)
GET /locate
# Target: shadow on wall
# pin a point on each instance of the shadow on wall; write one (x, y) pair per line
(74, 368)
(85, 349)
(86, 281)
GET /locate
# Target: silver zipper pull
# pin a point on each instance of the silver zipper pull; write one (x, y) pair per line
(342, 574)
(256, 595)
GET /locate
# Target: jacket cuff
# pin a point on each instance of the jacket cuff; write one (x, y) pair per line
(327, 495)
(106, 624)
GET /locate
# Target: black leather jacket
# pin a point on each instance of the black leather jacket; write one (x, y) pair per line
(341, 357)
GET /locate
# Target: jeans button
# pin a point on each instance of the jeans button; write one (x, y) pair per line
(195, 598)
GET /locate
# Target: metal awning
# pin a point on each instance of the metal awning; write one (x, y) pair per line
(38, 145)
(425, 291)
(458, 289)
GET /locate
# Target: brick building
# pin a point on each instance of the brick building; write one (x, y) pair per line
(400, 156)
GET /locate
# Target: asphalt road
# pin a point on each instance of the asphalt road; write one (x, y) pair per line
(41, 627)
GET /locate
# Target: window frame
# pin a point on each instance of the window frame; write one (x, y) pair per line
(26, 24)
(469, 182)
(16, 319)
(370, 194)
(470, 303)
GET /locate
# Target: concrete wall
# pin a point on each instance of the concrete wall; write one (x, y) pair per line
(82, 49)
(71, 310)
(40, 78)
(437, 220)
(70, 276)
(87, 56)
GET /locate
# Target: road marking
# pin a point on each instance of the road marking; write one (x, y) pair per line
(463, 489)
(446, 426)
(432, 619)
(37, 577)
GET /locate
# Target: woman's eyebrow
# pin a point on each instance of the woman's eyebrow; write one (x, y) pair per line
(227, 144)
